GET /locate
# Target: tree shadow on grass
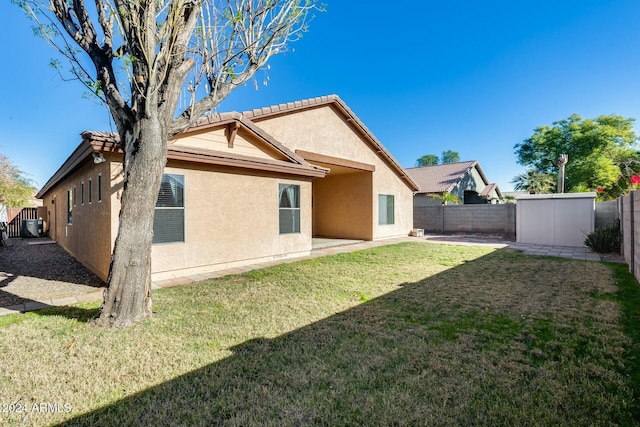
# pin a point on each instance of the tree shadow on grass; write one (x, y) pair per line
(80, 314)
(409, 357)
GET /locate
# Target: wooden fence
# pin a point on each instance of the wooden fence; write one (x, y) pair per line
(16, 215)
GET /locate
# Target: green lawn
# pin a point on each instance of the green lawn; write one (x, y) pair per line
(409, 334)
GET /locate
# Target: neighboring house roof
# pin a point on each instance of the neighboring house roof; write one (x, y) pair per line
(440, 178)
(489, 189)
(445, 177)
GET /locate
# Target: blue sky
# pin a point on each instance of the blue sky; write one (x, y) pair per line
(469, 76)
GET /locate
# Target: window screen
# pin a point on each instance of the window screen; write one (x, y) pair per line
(289, 208)
(168, 222)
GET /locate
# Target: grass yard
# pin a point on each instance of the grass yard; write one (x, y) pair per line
(408, 334)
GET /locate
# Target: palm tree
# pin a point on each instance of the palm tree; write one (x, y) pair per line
(534, 182)
(445, 197)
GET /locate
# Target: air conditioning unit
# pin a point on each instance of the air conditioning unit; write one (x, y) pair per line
(31, 228)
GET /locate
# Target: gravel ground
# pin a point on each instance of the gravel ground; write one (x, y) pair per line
(41, 272)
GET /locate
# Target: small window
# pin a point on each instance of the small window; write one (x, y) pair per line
(89, 192)
(69, 206)
(75, 198)
(289, 208)
(168, 221)
(99, 188)
(82, 193)
(385, 209)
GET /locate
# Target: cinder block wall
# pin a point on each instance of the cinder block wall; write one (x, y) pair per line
(629, 210)
(480, 219)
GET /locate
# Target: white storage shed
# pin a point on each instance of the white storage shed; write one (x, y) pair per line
(563, 219)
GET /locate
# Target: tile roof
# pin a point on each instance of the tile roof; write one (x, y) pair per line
(440, 178)
(108, 141)
(486, 192)
(335, 100)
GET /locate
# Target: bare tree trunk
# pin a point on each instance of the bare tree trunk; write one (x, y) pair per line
(562, 161)
(127, 298)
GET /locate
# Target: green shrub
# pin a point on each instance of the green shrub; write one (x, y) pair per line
(605, 239)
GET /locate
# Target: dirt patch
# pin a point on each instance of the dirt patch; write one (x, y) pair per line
(41, 272)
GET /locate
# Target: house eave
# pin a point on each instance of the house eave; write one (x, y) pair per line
(219, 158)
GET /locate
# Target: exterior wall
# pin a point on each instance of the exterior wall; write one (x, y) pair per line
(215, 139)
(324, 130)
(386, 182)
(342, 206)
(481, 219)
(471, 181)
(231, 219)
(88, 236)
(555, 219)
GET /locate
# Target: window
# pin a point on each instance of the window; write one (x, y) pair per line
(69, 205)
(289, 208)
(89, 192)
(75, 199)
(99, 188)
(82, 193)
(168, 221)
(385, 209)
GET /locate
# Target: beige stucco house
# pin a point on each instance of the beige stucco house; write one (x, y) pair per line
(239, 188)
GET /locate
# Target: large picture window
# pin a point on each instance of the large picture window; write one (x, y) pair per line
(289, 208)
(385, 209)
(168, 222)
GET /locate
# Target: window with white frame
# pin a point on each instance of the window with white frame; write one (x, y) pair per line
(289, 208)
(168, 221)
(385, 209)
